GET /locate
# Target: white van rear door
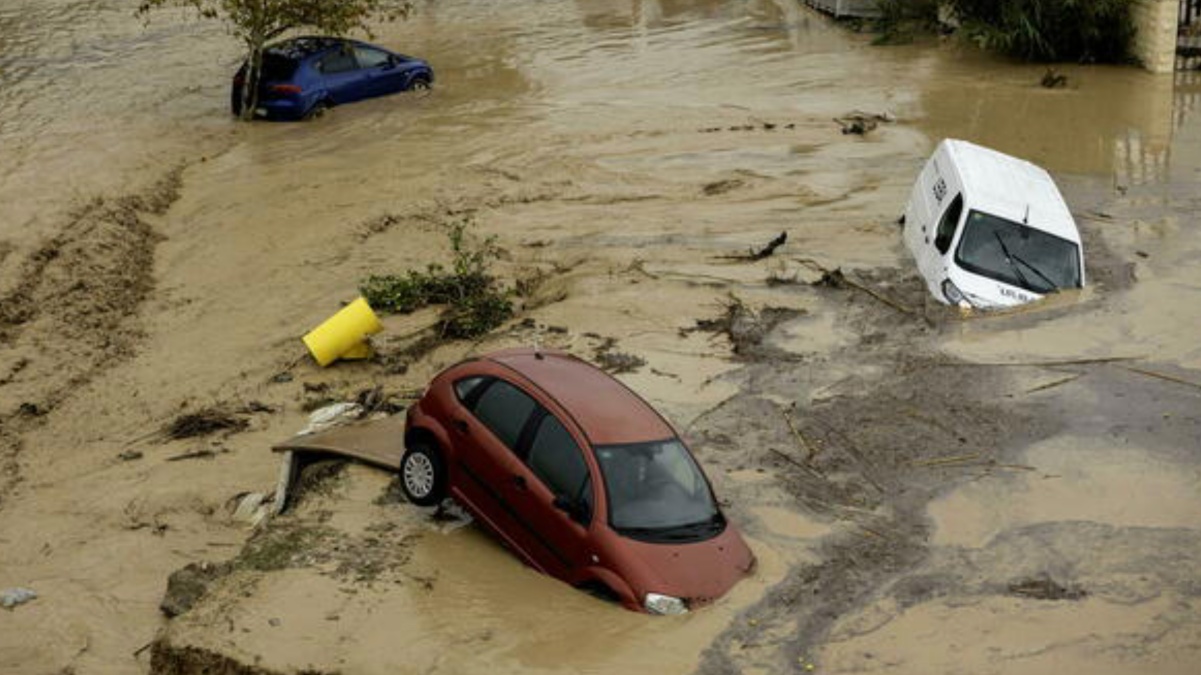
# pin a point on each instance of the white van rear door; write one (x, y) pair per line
(947, 208)
(921, 215)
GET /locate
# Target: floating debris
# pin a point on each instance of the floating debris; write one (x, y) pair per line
(1045, 588)
(12, 597)
(1054, 80)
(203, 423)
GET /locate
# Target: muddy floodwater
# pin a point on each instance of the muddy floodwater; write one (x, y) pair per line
(926, 492)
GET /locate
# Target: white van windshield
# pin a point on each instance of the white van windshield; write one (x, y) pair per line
(1019, 255)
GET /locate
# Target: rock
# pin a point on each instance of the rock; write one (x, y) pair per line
(31, 409)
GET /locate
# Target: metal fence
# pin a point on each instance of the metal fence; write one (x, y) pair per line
(1188, 36)
(1190, 13)
(856, 8)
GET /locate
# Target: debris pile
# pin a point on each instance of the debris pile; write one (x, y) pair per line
(203, 423)
(1045, 588)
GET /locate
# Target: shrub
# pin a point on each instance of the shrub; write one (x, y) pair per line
(900, 19)
(474, 301)
(1051, 30)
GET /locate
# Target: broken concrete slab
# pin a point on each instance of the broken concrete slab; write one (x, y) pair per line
(378, 443)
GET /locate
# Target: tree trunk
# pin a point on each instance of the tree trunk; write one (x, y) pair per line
(250, 83)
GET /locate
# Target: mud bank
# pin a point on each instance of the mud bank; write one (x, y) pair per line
(84, 286)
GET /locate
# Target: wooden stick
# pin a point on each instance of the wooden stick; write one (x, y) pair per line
(877, 295)
(809, 450)
(1039, 364)
(813, 264)
(939, 461)
(1015, 467)
(1056, 383)
(872, 532)
(788, 458)
(149, 435)
(1163, 376)
(204, 453)
(770, 247)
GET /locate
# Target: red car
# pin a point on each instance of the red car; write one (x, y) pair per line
(577, 475)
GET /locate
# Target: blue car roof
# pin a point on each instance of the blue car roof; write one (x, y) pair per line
(300, 47)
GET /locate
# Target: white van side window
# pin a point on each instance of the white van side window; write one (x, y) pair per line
(948, 224)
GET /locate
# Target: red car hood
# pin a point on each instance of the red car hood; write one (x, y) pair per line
(698, 572)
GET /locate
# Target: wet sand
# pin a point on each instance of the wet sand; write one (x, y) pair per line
(620, 149)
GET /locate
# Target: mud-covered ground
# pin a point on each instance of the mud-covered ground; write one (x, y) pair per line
(925, 491)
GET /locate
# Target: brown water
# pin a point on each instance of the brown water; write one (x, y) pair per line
(580, 134)
(1073, 479)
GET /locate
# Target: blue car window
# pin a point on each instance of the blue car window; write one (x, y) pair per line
(277, 67)
(338, 61)
(370, 58)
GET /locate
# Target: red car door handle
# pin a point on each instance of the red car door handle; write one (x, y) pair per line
(519, 481)
(460, 425)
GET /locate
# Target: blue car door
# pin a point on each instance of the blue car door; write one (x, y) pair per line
(381, 72)
(341, 75)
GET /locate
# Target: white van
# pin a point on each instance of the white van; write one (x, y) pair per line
(989, 230)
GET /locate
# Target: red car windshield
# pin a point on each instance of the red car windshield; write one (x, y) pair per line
(656, 491)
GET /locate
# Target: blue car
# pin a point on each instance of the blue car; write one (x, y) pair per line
(304, 76)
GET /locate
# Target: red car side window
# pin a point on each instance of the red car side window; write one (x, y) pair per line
(467, 390)
(555, 457)
(505, 410)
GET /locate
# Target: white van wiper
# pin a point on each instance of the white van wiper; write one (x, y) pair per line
(1052, 284)
(1010, 259)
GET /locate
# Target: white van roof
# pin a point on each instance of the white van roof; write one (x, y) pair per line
(1011, 188)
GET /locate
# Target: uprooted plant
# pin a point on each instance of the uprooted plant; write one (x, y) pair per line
(745, 327)
(474, 300)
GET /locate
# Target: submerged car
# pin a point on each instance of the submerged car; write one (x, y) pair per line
(302, 77)
(989, 230)
(577, 475)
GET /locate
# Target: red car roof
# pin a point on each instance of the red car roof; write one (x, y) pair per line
(607, 411)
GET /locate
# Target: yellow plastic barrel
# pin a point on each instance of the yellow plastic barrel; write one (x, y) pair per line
(342, 335)
(362, 350)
